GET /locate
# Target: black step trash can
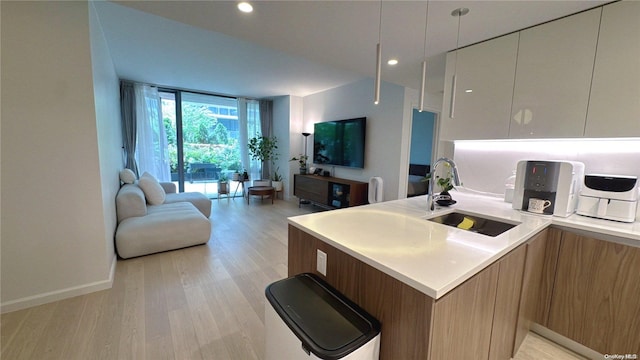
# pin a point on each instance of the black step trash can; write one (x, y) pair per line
(305, 318)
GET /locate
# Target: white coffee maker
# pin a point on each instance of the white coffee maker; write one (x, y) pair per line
(556, 184)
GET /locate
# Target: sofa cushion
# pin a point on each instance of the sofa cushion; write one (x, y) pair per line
(165, 227)
(152, 190)
(127, 176)
(199, 200)
(130, 202)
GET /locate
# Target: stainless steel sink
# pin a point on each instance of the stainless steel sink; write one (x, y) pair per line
(474, 223)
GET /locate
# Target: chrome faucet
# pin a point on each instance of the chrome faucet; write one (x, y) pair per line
(456, 180)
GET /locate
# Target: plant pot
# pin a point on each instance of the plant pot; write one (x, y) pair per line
(278, 185)
(303, 171)
(223, 187)
(236, 177)
(445, 199)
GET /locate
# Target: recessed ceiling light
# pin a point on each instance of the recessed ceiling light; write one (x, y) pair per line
(245, 7)
(469, 91)
(392, 62)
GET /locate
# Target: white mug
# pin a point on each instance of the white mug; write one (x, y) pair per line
(538, 205)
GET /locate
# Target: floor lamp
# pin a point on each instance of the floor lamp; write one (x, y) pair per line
(306, 136)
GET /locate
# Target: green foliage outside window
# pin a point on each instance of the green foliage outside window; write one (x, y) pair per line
(198, 123)
(221, 134)
(205, 140)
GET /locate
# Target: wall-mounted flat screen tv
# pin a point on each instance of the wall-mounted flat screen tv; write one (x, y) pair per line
(340, 142)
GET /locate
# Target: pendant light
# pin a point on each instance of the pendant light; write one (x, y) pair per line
(458, 13)
(376, 90)
(423, 84)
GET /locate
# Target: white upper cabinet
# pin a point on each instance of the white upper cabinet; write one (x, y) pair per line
(485, 75)
(614, 107)
(553, 77)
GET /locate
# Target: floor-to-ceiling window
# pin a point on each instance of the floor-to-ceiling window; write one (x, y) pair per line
(203, 136)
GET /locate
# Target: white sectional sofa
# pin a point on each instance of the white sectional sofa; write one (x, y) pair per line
(181, 220)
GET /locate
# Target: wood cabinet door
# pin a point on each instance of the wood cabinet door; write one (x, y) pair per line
(311, 188)
(463, 318)
(505, 316)
(596, 297)
(553, 77)
(537, 281)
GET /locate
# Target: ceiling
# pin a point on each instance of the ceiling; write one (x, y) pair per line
(302, 47)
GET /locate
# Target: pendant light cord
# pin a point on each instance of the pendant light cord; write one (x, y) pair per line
(426, 19)
(380, 24)
(459, 13)
(424, 63)
(376, 90)
(455, 70)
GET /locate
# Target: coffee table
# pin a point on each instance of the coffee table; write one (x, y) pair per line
(262, 191)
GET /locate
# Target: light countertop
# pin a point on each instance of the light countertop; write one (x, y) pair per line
(395, 238)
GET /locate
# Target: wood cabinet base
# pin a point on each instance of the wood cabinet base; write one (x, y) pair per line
(476, 320)
(596, 297)
(582, 289)
(330, 192)
(404, 313)
(579, 287)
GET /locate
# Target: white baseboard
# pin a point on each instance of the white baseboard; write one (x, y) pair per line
(62, 294)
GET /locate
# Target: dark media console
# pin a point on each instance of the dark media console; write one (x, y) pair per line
(330, 192)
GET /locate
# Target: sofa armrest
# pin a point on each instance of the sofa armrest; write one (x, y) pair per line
(169, 187)
(130, 202)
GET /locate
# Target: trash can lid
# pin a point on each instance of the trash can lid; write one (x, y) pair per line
(326, 322)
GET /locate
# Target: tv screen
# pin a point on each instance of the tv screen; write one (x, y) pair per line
(340, 142)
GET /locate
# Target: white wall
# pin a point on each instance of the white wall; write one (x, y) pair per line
(296, 140)
(53, 219)
(385, 124)
(106, 90)
(484, 165)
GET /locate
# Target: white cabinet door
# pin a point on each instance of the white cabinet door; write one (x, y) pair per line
(485, 75)
(553, 77)
(614, 107)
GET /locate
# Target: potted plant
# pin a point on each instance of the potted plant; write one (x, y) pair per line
(223, 184)
(276, 180)
(302, 162)
(241, 175)
(445, 184)
(264, 149)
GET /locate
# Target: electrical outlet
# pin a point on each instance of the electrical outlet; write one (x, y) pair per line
(321, 262)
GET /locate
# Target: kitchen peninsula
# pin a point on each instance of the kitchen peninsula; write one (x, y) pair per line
(444, 292)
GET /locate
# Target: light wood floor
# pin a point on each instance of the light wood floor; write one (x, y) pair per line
(203, 302)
